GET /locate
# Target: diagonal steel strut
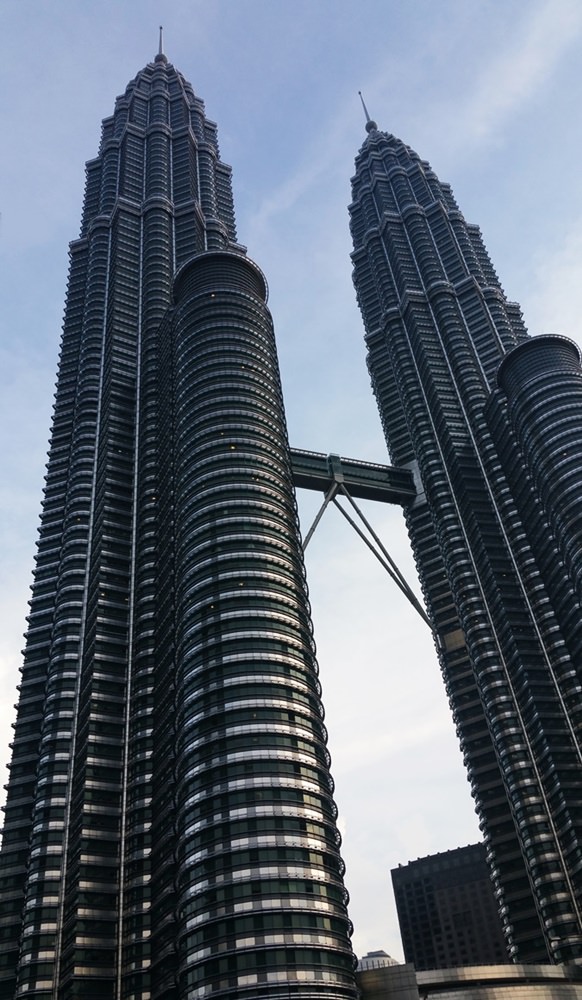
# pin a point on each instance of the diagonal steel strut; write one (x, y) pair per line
(383, 556)
(330, 495)
(385, 559)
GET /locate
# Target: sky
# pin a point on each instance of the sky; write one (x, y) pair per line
(489, 91)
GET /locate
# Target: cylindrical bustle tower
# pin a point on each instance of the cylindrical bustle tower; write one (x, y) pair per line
(542, 381)
(259, 897)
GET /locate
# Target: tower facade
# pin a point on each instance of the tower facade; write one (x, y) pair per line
(493, 527)
(170, 825)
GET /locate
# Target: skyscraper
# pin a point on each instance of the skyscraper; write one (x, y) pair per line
(488, 420)
(170, 826)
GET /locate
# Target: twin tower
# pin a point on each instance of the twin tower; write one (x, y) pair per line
(170, 829)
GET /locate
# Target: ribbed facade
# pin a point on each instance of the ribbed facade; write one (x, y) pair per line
(541, 384)
(170, 826)
(501, 600)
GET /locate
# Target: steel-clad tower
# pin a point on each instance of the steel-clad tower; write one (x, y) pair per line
(170, 827)
(497, 456)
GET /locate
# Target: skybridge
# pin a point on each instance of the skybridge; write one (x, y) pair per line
(335, 476)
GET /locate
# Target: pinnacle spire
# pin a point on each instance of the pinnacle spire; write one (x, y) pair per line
(161, 56)
(370, 123)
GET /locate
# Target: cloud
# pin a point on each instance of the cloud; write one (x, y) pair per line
(516, 74)
(326, 156)
(488, 88)
(484, 65)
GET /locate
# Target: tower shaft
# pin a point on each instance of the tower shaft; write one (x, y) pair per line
(170, 827)
(437, 328)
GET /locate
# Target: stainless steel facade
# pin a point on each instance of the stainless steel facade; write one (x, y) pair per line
(170, 826)
(493, 561)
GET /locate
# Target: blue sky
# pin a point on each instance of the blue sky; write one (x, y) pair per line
(489, 92)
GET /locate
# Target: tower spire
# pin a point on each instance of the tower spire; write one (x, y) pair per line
(161, 56)
(370, 123)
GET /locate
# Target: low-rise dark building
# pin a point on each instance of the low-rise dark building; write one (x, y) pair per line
(447, 910)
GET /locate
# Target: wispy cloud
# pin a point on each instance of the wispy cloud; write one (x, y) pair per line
(516, 74)
(326, 156)
(494, 65)
(490, 91)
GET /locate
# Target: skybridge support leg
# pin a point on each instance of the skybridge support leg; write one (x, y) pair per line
(329, 496)
(385, 559)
